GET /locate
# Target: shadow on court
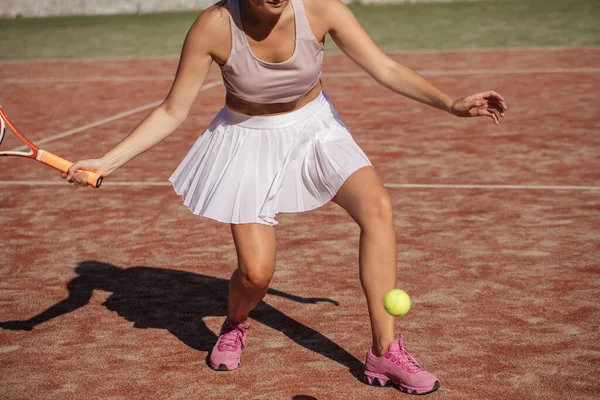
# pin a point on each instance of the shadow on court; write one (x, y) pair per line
(177, 301)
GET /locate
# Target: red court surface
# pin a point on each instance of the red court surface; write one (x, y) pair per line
(498, 241)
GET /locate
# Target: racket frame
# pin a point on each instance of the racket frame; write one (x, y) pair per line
(45, 157)
(33, 149)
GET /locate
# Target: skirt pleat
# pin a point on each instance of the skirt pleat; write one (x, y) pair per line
(246, 169)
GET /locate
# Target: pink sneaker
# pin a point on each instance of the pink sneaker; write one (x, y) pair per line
(400, 368)
(225, 356)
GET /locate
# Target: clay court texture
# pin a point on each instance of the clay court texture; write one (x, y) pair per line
(119, 292)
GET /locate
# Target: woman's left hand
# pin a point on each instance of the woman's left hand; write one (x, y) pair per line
(485, 104)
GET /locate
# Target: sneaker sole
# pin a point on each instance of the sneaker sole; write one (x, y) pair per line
(385, 382)
(221, 367)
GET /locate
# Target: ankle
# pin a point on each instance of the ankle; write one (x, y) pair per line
(244, 322)
(381, 347)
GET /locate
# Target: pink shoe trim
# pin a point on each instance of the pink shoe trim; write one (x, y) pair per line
(232, 337)
(399, 368)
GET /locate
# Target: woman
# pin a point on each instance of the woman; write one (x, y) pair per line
(279, 145)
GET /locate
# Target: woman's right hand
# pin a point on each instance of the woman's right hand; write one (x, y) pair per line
(77, 174)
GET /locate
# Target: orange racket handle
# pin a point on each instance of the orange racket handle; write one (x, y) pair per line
(94, 179)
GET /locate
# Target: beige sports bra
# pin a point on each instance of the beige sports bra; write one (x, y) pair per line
(249, 78)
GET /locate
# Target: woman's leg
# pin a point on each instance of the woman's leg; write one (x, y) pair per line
(367, 201)
(365, 198)
(255, 247)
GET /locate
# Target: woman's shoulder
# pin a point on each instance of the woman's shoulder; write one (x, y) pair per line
(322, 10)
(210, 34)
(213, 17)
(212, 25)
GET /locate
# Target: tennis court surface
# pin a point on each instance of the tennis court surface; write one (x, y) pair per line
(118, 293)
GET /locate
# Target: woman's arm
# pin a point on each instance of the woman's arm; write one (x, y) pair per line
(196, 58)
(352, 39)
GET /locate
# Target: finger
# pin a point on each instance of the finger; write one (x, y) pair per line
(77, 178)
(498, 104)
(497, 108)
(495, 118)
(83, 177)
(64, 175)
(496, 115)
(80, 182)
(495, 95)
(74, 168)
(491, 115)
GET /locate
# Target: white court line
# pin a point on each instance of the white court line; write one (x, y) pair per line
(109, 119)
(493, 187)
(90, 79)
(388, 185)
(482, 50)
(329, 52)
(59, 183)
(471, 72)
(356, 74)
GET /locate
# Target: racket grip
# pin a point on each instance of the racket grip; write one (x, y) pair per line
(94, 179)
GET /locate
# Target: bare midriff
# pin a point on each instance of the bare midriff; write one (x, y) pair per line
(249, 108)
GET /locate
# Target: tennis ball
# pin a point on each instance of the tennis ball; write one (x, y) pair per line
(397, 302)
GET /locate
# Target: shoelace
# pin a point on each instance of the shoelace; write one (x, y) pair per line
(230, 338)
(403, 358)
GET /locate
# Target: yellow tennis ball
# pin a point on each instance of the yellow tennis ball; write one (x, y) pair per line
(397, 302)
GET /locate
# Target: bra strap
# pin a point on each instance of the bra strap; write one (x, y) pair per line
(237, 30)
(303, 29)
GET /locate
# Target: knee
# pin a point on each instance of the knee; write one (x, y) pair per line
(377, 211)
(256, 275)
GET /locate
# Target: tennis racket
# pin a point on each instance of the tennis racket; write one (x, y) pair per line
(94, 179)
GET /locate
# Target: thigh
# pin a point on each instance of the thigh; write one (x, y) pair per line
(255, 246)
(364, 197)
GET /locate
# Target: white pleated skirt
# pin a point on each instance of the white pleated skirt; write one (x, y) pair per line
(246, 169)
